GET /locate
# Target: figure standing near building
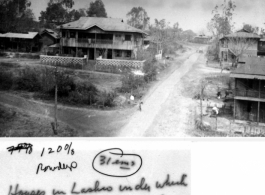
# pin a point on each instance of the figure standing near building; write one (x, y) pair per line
(226, 93)
(215, 110)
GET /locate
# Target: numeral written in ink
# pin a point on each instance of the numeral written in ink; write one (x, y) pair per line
(124, 164)
(22, 146)
(68, 148)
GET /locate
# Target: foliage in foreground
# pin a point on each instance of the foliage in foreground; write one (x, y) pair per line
(69, 90)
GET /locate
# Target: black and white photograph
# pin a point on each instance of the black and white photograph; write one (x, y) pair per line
(132, 97)
(116, 68)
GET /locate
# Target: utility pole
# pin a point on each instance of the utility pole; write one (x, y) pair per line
(55, 104)
(201, 101)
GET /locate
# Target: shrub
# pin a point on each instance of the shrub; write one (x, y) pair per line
(150, 69)
(6, 80)
(105, 98)
(131, 82)
(65, 84)
(84, 93)
(47, 79)
(170, 48)
(144, 54)
(29, 81)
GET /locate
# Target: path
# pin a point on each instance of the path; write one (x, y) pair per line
(165, 99)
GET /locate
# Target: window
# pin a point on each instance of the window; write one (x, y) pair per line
(118, 37)
(128, 54)
(128, 37)
(63, 34)
(72, 34)
(117, 53)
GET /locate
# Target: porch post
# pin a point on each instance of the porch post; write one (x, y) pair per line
(258, 104)
(234, 115)
(259, 88)
(258, 111)
(235, 87)
(76, 43)
(95, 46)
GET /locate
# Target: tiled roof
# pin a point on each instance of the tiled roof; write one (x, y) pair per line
(252, 66)
(29, 35)
(106, 24)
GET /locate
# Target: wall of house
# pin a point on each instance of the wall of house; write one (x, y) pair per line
(93, 38)
(249, 84)
(251, 50)
(246, 110)
(123, 54)
(21, 45)
(262, 112)
(72, 38)
(47, 40)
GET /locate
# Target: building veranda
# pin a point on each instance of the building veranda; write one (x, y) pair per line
(249, 92)
(108, 41)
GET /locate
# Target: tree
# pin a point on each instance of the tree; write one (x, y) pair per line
(76, 14)
(58, 12)
(238, 45)
(187, 35)
(221, 23)
(250, 28)
(176, 31)
(138, 18)
(12, 13)
(27, 22)
(68, 4)
(97, 9)
(162, 33)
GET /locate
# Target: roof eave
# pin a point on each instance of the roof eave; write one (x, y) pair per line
(247, 76)
(71, 28)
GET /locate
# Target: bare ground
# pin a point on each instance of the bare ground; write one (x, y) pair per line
(15, 122)
(168, 109)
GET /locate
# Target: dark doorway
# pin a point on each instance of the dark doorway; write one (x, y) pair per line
(91, 54)
(109, 54)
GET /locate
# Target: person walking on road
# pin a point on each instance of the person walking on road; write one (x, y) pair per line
(140, 106)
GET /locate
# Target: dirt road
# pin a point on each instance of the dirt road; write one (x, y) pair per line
(165, 112)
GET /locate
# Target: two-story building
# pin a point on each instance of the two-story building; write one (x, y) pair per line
(95, 37)
(241, 38)
(249, 93)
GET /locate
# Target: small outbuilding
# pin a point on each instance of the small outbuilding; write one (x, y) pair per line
(20, 42)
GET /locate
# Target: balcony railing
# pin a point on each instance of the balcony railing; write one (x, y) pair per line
(86, 42)
(249, 93)
(95, 41)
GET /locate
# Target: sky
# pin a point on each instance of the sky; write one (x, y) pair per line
(190, 14)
